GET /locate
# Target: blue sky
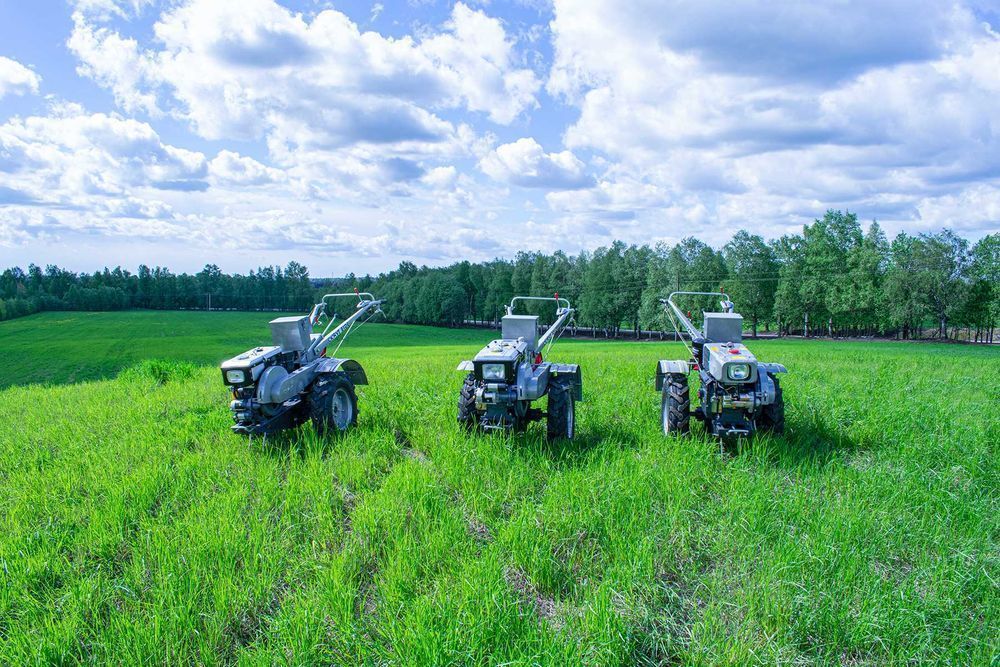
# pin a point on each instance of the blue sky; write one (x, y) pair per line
(351, 135)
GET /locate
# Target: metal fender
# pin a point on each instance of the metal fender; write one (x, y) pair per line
(573, 371)
(349, 366)
(772, 368)
(465, 366)
(666, 367)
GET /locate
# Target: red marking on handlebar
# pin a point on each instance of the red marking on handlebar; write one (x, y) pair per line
(538, 358)
(557, 296)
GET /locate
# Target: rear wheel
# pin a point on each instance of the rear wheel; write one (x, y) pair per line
(333, 404)
(675, 407)
(772, 417)
(562, 410)
(468, 416)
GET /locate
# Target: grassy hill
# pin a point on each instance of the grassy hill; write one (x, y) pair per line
(134, 527)
(60, 347)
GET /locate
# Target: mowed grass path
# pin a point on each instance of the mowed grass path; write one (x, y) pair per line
(134, 528)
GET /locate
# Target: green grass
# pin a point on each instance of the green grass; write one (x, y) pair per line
(134, 528)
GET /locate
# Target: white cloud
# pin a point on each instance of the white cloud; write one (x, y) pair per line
(344, 114)
(106, 9)
(477, 57)
(234, 169)
(524, 163)
(246, 70)
(16, 79)
(74, 176)
(74, 159)
(441, 178)
(781, 118)
(662, 120)
(115, 63)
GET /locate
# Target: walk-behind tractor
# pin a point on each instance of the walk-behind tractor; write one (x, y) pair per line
(510, 373)
(738, 396)
(282, 385)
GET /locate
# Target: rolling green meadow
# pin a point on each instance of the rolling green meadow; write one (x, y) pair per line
(136, 529)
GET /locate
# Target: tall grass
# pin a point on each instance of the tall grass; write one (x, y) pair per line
(135, 528)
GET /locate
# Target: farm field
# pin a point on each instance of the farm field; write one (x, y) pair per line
(135, 528)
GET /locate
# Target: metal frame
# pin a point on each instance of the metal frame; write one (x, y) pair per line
(563, 316)
(693, 331)
(364, 305)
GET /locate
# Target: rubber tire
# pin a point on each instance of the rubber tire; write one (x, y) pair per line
(561, 420)
(675, 407)
(321, 397)
(772, 417)
(468, 416)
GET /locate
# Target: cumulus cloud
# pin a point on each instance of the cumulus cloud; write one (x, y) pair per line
(74, 159)
(662, 120)
(343, 113)
(787, 115)
(16, 79)
(116, 63)
(79, 175)
(524, 163)
(245, 70)
(234, 169)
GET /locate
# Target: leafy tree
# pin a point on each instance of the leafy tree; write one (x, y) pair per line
(985, 272)
(833, 273)
(753, 276)
(905, 309)
(940, 261)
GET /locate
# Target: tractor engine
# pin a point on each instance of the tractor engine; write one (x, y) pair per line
(729, 394)
(496, 370)
(243, 374)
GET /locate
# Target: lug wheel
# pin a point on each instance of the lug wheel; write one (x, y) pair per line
(468, 416)
(561, 421)
(675, 407)
(333, 404)
(772, 417)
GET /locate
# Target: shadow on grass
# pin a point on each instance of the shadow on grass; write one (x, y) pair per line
(299, 441)
(807, 443)
(533, 440)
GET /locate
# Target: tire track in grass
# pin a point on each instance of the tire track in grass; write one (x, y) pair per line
(326, 463)
(521, 590)
(564, 456)
(368, 573)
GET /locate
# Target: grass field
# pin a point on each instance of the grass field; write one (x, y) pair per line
(135, 528)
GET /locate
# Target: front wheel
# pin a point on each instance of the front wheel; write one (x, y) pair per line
(772, 417)
(333, 404)
(468, 416)
(562, 410)
(675, 407)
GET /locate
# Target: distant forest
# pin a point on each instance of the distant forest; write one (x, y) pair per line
(835, 278)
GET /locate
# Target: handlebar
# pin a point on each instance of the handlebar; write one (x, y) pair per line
(692, 330)
(343, 294)
(558, 299)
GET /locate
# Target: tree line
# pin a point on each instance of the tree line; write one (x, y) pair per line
(835, 278)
